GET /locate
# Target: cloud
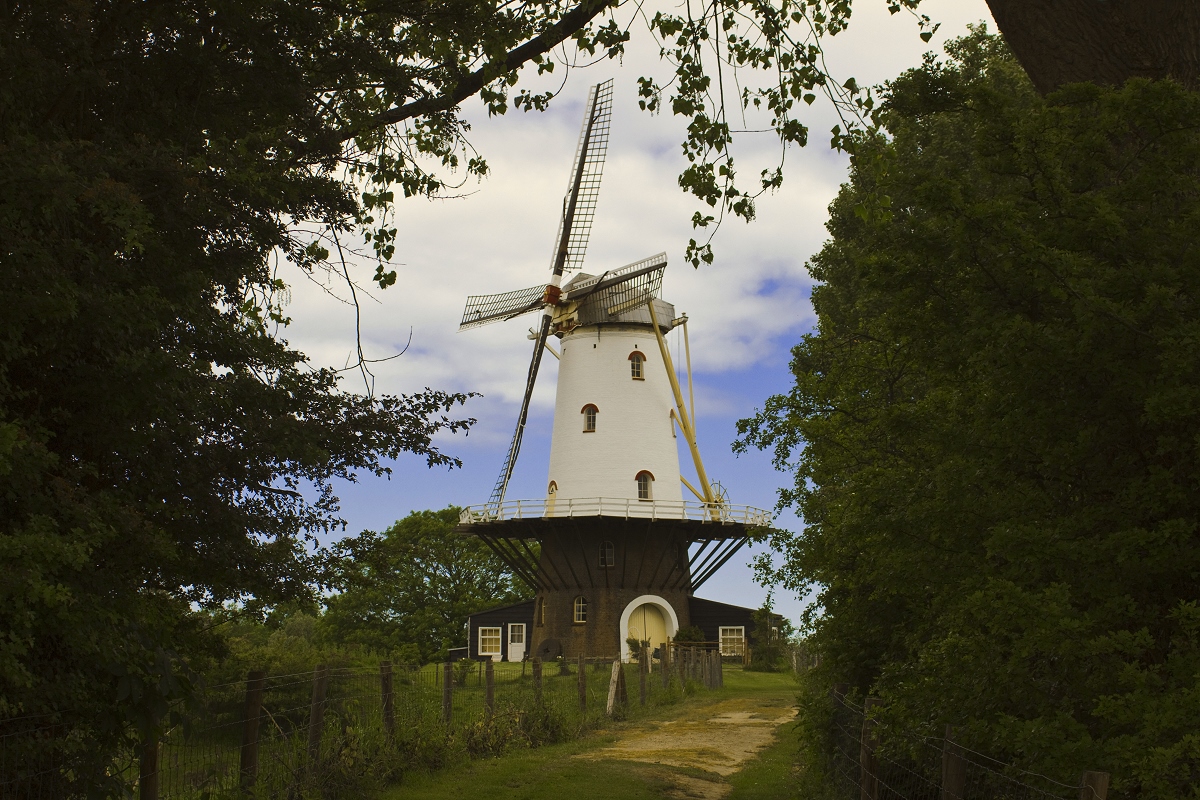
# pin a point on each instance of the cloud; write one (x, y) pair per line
(746, 309)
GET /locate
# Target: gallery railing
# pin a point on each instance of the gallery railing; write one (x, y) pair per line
(721, 514)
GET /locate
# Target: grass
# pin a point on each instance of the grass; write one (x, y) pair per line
(555, 771)
(770, 776)
(547, 772)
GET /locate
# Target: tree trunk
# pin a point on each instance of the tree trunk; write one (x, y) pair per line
(1102, 41)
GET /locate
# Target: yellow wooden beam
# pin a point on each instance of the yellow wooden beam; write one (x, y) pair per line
(685, 424)
(687, 350)
(699, 496)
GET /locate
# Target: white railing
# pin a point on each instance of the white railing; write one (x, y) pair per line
(616, 507)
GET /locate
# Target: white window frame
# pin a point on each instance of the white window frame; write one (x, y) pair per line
(499, 634)
(649, 485)
(637, 366)
(579, 611)
(722, 635)
(513, 627)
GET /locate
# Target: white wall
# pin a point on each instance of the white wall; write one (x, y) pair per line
(633, 427)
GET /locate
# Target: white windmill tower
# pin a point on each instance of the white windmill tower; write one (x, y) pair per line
(614, 530)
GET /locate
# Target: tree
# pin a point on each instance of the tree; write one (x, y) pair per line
(409, 590)
(994, 428)
(770, 639)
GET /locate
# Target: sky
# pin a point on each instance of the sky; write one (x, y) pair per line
(746, 310)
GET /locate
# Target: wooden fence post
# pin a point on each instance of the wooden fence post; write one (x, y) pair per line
(537, 680)
(954, 768)
(387, 698)
(664, 664)
(582, 684)
(617, 694)
(720, 670)
(695, 661)
(148, 768)
(644, 672)
(868, 764)
(1094, 786)
(489, 693)
(680, 659)
(447, 689)
(316, 713)
(251, 718)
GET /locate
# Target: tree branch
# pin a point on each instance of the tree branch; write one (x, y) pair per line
(571, 22)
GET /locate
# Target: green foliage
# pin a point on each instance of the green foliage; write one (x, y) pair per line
(512, 727)
(410, 589)
(288, 642)
(770, 641)
(995, 429)
(635, 646)
(463, 669)
(689, 633)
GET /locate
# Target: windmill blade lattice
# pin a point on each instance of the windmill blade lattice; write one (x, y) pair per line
(621, 290)
(579, 208)
(590, 152)
(514, 447)
(484, 308)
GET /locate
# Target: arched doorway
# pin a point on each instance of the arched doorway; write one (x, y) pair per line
(648, 617)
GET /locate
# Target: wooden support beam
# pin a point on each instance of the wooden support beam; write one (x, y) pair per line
(689, 433)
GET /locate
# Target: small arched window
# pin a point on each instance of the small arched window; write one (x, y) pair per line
(541, 612)
(552, 489)
(589, 418)
(645, 485)
(581, 609)
(672, 419)
(608, 554)
(637, 369)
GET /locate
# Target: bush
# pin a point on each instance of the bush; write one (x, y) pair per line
(689, 633)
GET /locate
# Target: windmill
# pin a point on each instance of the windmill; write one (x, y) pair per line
(619, 291)
(613, 529)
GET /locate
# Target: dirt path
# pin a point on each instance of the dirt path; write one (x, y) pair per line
(705, 744)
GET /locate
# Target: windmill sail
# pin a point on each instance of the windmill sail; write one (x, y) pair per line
(583, 191)
(514, 447)
(604, 298)
(484, 308)
(578, 209)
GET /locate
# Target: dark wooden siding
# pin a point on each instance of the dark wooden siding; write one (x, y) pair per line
(500, 618)
(710, 616)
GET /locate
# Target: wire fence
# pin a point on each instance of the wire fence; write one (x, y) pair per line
(869, 762)
(316, 732)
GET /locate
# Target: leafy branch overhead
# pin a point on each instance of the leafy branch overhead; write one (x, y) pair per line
(403, 127)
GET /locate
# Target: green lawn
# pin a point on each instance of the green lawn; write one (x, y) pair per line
(556, 772)
(547, 772)
(771, 776)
